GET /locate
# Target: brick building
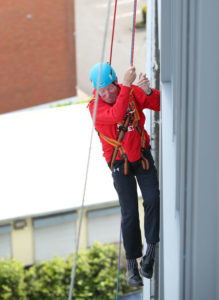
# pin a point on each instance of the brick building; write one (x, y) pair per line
(38, 58)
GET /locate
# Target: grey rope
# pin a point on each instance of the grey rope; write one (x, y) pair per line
(89, 154)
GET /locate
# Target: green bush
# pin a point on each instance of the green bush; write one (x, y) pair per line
(46, 280)
(144, 13)
(12, 285)
(96, 277)
(142, 23)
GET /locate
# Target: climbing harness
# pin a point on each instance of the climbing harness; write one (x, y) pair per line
(131, 117)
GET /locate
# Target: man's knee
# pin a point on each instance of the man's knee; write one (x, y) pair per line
(130, 217)
(152, 199)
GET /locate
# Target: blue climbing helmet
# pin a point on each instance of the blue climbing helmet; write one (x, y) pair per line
(108, 75)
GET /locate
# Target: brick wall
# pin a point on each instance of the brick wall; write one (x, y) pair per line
(37, 61)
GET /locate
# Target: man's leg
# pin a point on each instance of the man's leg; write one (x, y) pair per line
(148, 183)
(126, 188)
(149, 186)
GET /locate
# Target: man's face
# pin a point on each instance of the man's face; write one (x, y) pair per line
(109, 93)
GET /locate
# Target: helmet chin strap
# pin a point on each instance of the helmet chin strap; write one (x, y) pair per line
(115, 82)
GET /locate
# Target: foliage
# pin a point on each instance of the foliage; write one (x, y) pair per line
(96, 274)
(96, 277)
(46, 280)
(142, 23)
(144, 9)
(144, 13)
(64, 104)
(69, 103)
(12, 280)
(61, 104)
(83, 101)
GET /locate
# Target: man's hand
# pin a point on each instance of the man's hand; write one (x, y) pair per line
(129, 76)
(144, 83)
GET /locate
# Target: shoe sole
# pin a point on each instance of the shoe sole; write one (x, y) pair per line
(134, 284)
(146, 275)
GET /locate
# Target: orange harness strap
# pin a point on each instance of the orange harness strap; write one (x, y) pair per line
(132, 116)
(117, 147)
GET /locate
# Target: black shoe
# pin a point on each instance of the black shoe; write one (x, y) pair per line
(133, 278)
(146, 269)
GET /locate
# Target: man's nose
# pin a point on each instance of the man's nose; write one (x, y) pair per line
(107, 93)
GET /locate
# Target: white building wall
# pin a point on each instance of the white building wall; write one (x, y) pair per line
(150, 32)
(5, 241)
(170, 225)
(202, 199)
(5, 245)
(190, 146)
(170, 229)
(54, 235)
(104, 225)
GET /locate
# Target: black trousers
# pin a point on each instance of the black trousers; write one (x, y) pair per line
(126, 187)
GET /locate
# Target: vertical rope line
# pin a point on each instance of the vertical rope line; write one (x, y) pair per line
(118, 273)
(89, 154)
(114, 20)
(133, 32)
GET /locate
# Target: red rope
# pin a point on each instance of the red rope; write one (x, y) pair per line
(133, 32)
(114, 20)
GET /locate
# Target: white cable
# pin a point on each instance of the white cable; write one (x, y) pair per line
(89, 154)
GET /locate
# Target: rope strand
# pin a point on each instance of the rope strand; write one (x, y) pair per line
(118, 272)
(91, 138)
(114, 20)
(89, 155)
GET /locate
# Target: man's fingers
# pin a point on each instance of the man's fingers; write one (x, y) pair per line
(143, 81)
(132, 69)
(129, 76)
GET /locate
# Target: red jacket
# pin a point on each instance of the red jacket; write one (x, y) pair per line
(108, 116)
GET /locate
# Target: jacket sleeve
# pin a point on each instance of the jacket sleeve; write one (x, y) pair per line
(111, 114)
(150, 102)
